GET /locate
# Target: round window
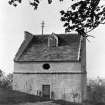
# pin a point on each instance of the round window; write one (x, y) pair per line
(46, 66)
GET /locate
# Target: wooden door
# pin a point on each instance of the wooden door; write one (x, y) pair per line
(46, 91)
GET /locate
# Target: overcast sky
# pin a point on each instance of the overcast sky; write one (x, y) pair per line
(14, 21)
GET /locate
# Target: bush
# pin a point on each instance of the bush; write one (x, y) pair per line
(96, 92)
(6, 81)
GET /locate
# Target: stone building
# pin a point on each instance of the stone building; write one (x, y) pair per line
(53, 66)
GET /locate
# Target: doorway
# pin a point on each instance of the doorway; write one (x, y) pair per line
(46, 91)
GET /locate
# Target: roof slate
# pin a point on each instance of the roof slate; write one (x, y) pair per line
(35, 48)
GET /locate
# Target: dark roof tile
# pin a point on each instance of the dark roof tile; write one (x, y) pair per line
(35, 48)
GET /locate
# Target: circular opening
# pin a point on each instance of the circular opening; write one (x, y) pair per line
(46, 66)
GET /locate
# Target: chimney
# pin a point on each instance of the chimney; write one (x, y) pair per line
(52, 40)
(27, 35)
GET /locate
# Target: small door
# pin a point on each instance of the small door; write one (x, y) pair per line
(46, 91)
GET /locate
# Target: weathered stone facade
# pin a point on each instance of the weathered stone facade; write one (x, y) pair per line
(62, 79)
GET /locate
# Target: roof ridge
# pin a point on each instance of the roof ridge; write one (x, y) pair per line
(37, 54)
(51, 34)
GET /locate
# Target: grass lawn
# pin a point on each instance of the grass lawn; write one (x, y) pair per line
(62, 102)
(13, 97)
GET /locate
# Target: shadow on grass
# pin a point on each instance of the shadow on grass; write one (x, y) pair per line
(93, 103)
(62, 102)
(14, 97)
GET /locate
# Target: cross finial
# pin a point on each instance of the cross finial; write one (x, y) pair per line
(42, 25)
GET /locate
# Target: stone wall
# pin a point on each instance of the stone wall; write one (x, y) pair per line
(65, 79)
(34, 67)
(64, 86)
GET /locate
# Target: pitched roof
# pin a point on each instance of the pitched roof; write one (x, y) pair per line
(35, 48)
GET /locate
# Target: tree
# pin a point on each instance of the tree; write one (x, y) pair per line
(96, 91)
(6, 81)
(83, 16)
(34, 3)
(1, 73)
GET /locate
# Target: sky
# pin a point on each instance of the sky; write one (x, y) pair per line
(14, 21)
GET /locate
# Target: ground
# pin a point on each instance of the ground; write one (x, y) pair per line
(10, 97)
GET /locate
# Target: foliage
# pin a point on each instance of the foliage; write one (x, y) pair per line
(83, 16)
(1, 73)
(34, 3)
(96, 92)
(6, 81)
